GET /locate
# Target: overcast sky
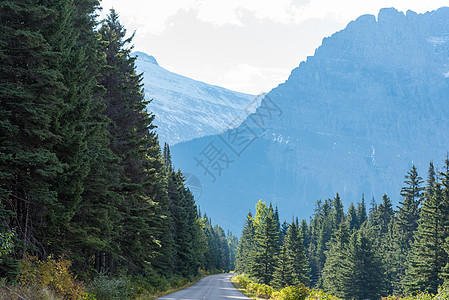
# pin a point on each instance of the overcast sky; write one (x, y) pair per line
(245, 45)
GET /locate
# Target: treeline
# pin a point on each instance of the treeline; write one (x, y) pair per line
(270, 253)
(365, 253)
(81, 170)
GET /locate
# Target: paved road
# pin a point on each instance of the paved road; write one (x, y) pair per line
(214, 287)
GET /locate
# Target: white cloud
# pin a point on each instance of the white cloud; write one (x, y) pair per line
(154, 16)
(248, 79)
(147, 16)
(215, 40)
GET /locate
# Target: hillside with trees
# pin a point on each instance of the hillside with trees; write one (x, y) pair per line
(365, 253)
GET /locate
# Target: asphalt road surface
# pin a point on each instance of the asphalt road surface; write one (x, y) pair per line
(209, 288)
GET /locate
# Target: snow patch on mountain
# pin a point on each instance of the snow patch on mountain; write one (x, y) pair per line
(186, 109)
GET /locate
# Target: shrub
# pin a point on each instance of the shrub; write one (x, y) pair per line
(264, 290)
(107, 288)
(319, 294)
(294, 292)
(443, 294)
(243, 281)
(51, 276)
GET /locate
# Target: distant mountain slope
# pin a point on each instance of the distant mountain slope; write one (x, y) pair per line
(353, 118)
(185, 108)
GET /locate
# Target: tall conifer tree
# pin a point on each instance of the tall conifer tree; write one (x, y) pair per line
(31, 96)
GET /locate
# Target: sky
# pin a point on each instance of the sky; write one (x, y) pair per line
(249, 46)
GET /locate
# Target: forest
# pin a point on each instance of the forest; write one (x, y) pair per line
(91, 204)
(365, 253)
(84, 184)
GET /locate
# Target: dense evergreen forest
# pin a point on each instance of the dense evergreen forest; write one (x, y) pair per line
(365, 253)
(82, 174)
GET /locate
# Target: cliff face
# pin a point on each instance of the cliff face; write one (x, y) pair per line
(185, 108)
(376, 80)
(352, 119)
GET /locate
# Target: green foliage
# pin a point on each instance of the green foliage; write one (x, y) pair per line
(109, 288)
(334, 278)
(31, 90)
(6, 243)
(443, 293)
(262, 258)
(258, 289)
(427, 257)
(81, 170)
(293, 292)
(408, 213)
(245, 246)
(51, 274)
(320, 295)
(294, 267)
(363, 272)
(243, 281)
(233, 243)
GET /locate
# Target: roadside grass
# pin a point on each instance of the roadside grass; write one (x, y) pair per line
(244, 291)
(262, 291)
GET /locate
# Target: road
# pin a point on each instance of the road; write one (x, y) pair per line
(213, 287)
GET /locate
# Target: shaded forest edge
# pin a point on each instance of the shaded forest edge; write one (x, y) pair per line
(91, 207)
(359, 254)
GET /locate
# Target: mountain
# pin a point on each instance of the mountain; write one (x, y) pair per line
(185, 108)
(353, 118)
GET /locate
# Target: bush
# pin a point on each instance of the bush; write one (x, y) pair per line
(107, 288)
(264, 290)
(443, 294)
(51, 277)
(243, 281)
(258, 289)
(294, 292)
(319, 294)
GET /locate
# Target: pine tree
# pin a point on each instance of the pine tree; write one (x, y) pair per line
(233, 243)
(296, 256)
(388, 249)
(372, 212)
(384, 215)
(278, 226)
(189, 238)
(325, 233)
(361, 211)
(428, 256)
(85, 144)
(363, 270)
(72, 124)
(283, 230)
(352, 218)
(129, 135)
(383, 228)
(334, 268)
(312, 250)
(157, 189)
(338, 211)
(223, 260)
(305, 234)
(283, 272)
(444, 216)
(246, 246)
(407, 218)
(408, 213)
(31, 91)
(262, 264)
